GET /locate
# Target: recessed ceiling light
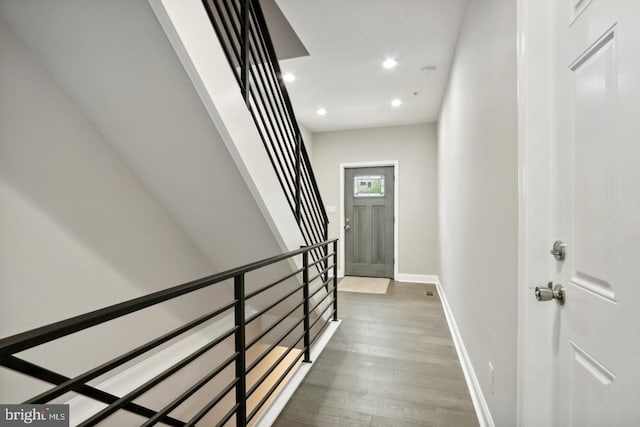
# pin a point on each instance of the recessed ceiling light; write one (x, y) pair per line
(321, 112)
(390, 63)
(396, 103)
(288, 77)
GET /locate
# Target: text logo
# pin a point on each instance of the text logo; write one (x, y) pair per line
(34, 415)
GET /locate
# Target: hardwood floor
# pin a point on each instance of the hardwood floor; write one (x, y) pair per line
(391, 363)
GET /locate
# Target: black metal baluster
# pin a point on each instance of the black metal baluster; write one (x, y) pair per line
(298, 176)
(326, 250)
(244, 65)
(305, 295)
(241, 387)
(335, 280)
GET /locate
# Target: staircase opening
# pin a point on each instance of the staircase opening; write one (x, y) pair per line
(232, 371)
(226, 365)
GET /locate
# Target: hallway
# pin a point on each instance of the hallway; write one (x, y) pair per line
(391, 362)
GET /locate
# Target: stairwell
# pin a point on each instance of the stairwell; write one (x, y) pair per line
(130, 163)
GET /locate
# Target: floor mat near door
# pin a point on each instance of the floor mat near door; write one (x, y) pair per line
(364, 285)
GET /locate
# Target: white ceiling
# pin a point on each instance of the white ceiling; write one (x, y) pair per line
(347, 43)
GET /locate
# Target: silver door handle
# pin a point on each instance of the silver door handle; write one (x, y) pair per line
(559, 250)
(550, 292)
(347, 227)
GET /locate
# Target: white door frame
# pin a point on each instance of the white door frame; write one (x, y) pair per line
(535, 121)
(396, 205)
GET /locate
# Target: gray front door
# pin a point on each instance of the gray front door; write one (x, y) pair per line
(369, 221)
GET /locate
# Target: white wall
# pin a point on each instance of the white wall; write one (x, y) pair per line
(78, 229)
(478, 198)
(415, 149)
(308, 138)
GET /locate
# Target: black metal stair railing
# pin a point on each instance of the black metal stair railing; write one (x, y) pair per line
(303, 295)
(242, 30)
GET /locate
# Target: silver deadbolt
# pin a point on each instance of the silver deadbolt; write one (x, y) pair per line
(559, 250)
(347, 226)
(550, 292)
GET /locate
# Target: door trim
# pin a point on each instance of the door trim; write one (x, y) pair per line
(535, 120)
(396, 205)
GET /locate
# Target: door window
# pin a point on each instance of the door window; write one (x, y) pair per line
(368, 186)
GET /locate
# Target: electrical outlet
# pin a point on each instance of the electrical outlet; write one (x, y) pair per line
(492, 378)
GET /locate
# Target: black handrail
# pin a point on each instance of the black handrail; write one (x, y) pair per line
(242, 30)
(12, 345)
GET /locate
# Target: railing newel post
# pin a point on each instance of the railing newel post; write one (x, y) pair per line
(326, 248)
(335, 280)
(305, 295)
(240, 348)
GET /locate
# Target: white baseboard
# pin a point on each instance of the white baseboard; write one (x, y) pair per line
(417, 278)
(277, 405)
(479, 402)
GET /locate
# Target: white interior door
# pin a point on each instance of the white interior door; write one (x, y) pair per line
(595, 210)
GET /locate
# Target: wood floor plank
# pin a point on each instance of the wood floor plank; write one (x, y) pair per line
(378, 421)
(392, 362)
(281, 422)
(368, 403)
(354, 360)
(318, 414)
(346, 329)
(439, 350)
(449, 418)
(413, 328)
(454, 385)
